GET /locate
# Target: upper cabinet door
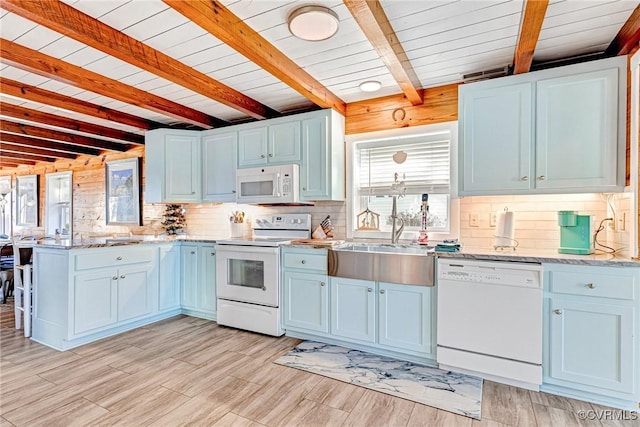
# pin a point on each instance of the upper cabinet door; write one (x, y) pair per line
(496, 138)
(182, 168)
(284, 143)
(577, 131)
(252, 147)
(219, 160)
(314, 183)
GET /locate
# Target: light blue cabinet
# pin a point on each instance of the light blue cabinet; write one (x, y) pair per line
(496, 126)
(135, 292)
(353, 309)
(276, 143)
(322, 169)
(577, 131)
(592, 329)
(219, 164)
(169, 277)
(208, 278)
(305, 301)
(406, 321)
(198, 289)
(552, 131)
(252, 147)
(95, 301)
(172, 166)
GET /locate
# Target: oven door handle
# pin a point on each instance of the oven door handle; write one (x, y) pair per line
(277, 188)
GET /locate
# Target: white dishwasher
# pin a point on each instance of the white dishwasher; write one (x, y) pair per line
(490, 320)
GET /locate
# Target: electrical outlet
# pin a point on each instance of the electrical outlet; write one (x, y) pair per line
(492, 219)
(473, 220)
(622, 219)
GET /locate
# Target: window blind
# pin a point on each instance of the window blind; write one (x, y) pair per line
(426, 169)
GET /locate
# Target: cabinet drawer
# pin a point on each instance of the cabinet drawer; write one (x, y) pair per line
(316, 262)
(111, 258)
(604, 285)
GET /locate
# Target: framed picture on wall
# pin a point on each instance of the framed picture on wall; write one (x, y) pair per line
(123, 191)
(27, 200)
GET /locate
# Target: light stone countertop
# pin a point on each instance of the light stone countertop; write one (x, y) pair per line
(522, 255)
(104, 242)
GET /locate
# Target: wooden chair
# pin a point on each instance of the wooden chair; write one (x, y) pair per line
(22, 275)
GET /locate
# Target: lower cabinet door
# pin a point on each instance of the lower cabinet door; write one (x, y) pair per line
(135, 293)
(189, 276)
(169, 280)
(306, 299)
(353, 309)
(207, 283)
(95, 301)
(593, 344)
(405, 317)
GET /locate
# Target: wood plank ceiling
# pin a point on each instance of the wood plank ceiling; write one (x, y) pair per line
(80, 77)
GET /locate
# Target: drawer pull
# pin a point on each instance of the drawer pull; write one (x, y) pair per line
(303, 262)
(114, 278)
(382, 291)
(542, 177)
(591, 286)
(524, 178)
(119, 258)
(122, 276)
(322, 283)
(369, 290)
(557, 311)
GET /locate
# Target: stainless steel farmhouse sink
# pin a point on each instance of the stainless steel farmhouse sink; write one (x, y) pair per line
(403, 264)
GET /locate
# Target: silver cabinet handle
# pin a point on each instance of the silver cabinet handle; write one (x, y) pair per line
(382, 291)
(304, 188)
(270, 155)
(557, 311)
(234, 191)
(591, 286)
(542, 177)
(193, 252)
(524, 178)
(369, 290)
(262, 156)
(322, 283)
(193, 192)
(213, 254)
(119, 258)
(114, 278)
(303, 262)
(122, 276)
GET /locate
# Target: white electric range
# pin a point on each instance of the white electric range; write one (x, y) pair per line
(248, 273)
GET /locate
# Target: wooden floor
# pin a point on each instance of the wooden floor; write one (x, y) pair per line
(188, 371)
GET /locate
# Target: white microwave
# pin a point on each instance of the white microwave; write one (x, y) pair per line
(268, 184)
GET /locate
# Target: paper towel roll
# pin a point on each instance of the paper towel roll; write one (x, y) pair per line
(505, 229)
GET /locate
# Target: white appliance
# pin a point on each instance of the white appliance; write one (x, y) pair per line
(490, 320)
(268, 184)
(248, 273)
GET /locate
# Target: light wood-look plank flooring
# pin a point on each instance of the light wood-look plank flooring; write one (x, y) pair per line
(189, 371)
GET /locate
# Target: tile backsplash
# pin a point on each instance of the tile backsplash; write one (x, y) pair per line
(536, 225)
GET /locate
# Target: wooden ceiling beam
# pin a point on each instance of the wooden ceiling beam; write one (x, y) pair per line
(534, 11)
(8, 164)
(35, 94)
(375, 25)
(70, 138)
(36, 62)
(231, 30)
(13, 148)
(72, 23)
(46, 144)
(21, 156)
(628, 37)
(23, 113)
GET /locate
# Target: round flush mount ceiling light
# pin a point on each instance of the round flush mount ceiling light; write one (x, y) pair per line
(370, 86)
(313, 23)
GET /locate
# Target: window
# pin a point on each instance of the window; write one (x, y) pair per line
(408, 166)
